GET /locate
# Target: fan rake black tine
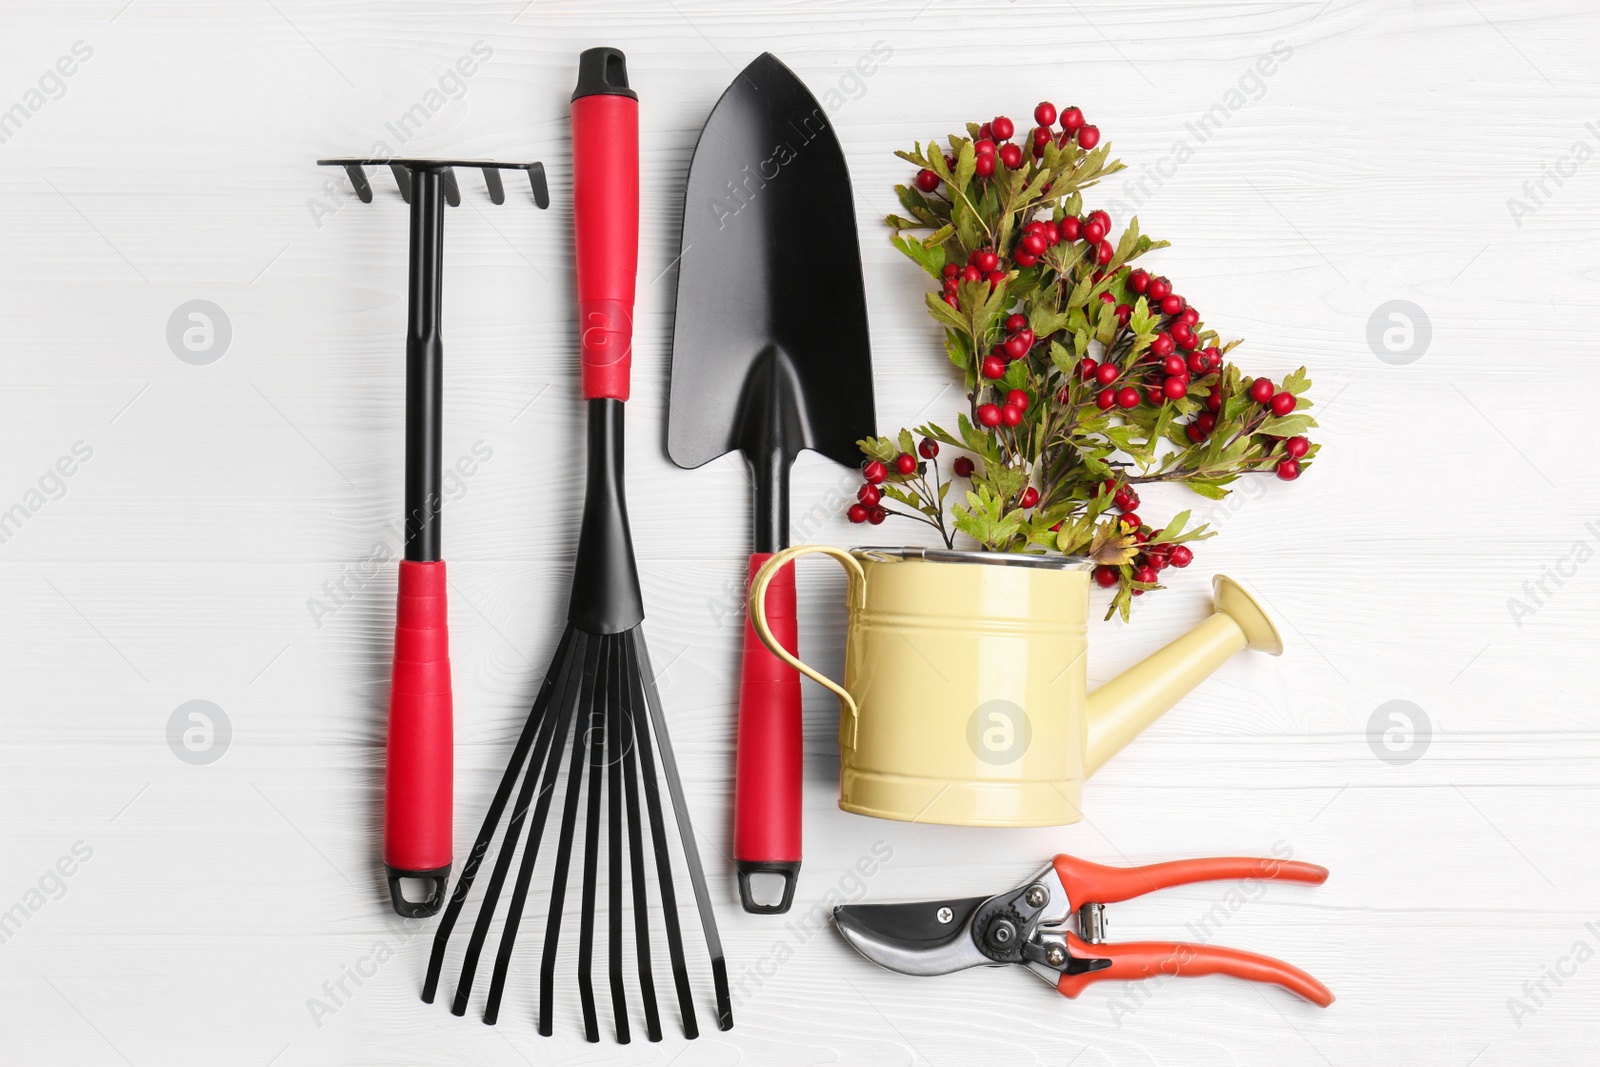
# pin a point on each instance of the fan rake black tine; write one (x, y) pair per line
(658, 836)
(558, 884)
(480, 847)
(564, 713)
(636, 845)
(594, 736)
(619, 1003)
(508, 847)
(691, 851)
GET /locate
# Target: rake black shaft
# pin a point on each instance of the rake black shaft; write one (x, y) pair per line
(424, 367)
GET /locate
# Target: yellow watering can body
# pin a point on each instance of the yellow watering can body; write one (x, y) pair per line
(965, 692)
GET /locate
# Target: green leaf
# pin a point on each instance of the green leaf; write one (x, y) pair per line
(943, 313)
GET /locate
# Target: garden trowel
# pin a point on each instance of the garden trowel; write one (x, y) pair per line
(769, 356)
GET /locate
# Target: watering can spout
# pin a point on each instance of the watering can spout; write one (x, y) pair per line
(1121, 709)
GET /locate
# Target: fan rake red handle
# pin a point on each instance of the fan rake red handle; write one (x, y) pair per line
(605, 203)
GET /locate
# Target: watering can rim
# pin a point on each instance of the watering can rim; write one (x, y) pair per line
(912, 553)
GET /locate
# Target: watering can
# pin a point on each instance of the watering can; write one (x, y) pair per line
(965, 697)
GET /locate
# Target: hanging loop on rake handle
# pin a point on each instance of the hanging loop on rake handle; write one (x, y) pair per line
(419, 764)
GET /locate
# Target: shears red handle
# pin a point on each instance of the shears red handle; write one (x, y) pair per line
(1093, 883)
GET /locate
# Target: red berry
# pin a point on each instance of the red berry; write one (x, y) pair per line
(1016, 346)
(1107, 298)
(1180, 555)
(1052, 233)
(985, 261)
(1207, 422)
(1030, 497)
(1087, 368)
(1155, 396)
(1018, 399)
(1182, 334)
(1146, 574)
(950, 298)
(1171, 304)
(950, 270)
(1123, 313)
(1194, 433)
(905, 463)
(1173, 364)
(1283, 403)
(1296, 447)
(1106, 577)
(1071, 228)
(1103, 216)
(993, 367)
(1045, 113)
(1127, 499)
(1261, 390)
(928, 448)
(1131, 521)
(857, 513)
(1024, 258)
(1127, 397)
(1213, 359)
(1002, 127)
(1106, 399)
(951, 285)
(1071, 120)
(876, 516)
(995, 277)
(1034, 244)
(983, 166)
(1139, 281)
(927, 180)
(1011, 415)
(1093, 230)
(1190, 315)
(875, 472)
(1011, 156)
(1088, 137)
(970, 273)
(869, 494)
(985, 132)
(1016, 322)
(989, 414)
(1289, 470)
(983, 147)
(1105, 253)
(1174, 389)
(1161, 345)
(963, 467)
(1041, 137)
(1214, 401)
(1107, 373)
(1196, 363)
(1157, 290)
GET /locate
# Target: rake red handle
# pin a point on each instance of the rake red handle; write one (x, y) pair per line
(419, 771)
(605, 204)
(770, 758)
(1133, 961)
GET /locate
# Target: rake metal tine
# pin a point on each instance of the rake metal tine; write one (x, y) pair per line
(497, 190)
(641, 889)
(619, 1003)
(691, 851)
(658, 835)
(558, 884)
(358, 181)
(402, 178)
(452, 190)
(595, 736)
(480, 847)
(583, 654)
(508, 848)
(541, 191)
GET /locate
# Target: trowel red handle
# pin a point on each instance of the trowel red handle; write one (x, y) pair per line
(419, 771)
(770, 759)
(1133, 961)
(605, 205)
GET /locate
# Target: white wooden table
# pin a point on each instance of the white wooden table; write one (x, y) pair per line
(208, 908)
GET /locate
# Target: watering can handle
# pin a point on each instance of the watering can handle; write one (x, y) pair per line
(758, 618)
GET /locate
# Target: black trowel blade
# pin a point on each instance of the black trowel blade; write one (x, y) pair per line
(770, 350)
